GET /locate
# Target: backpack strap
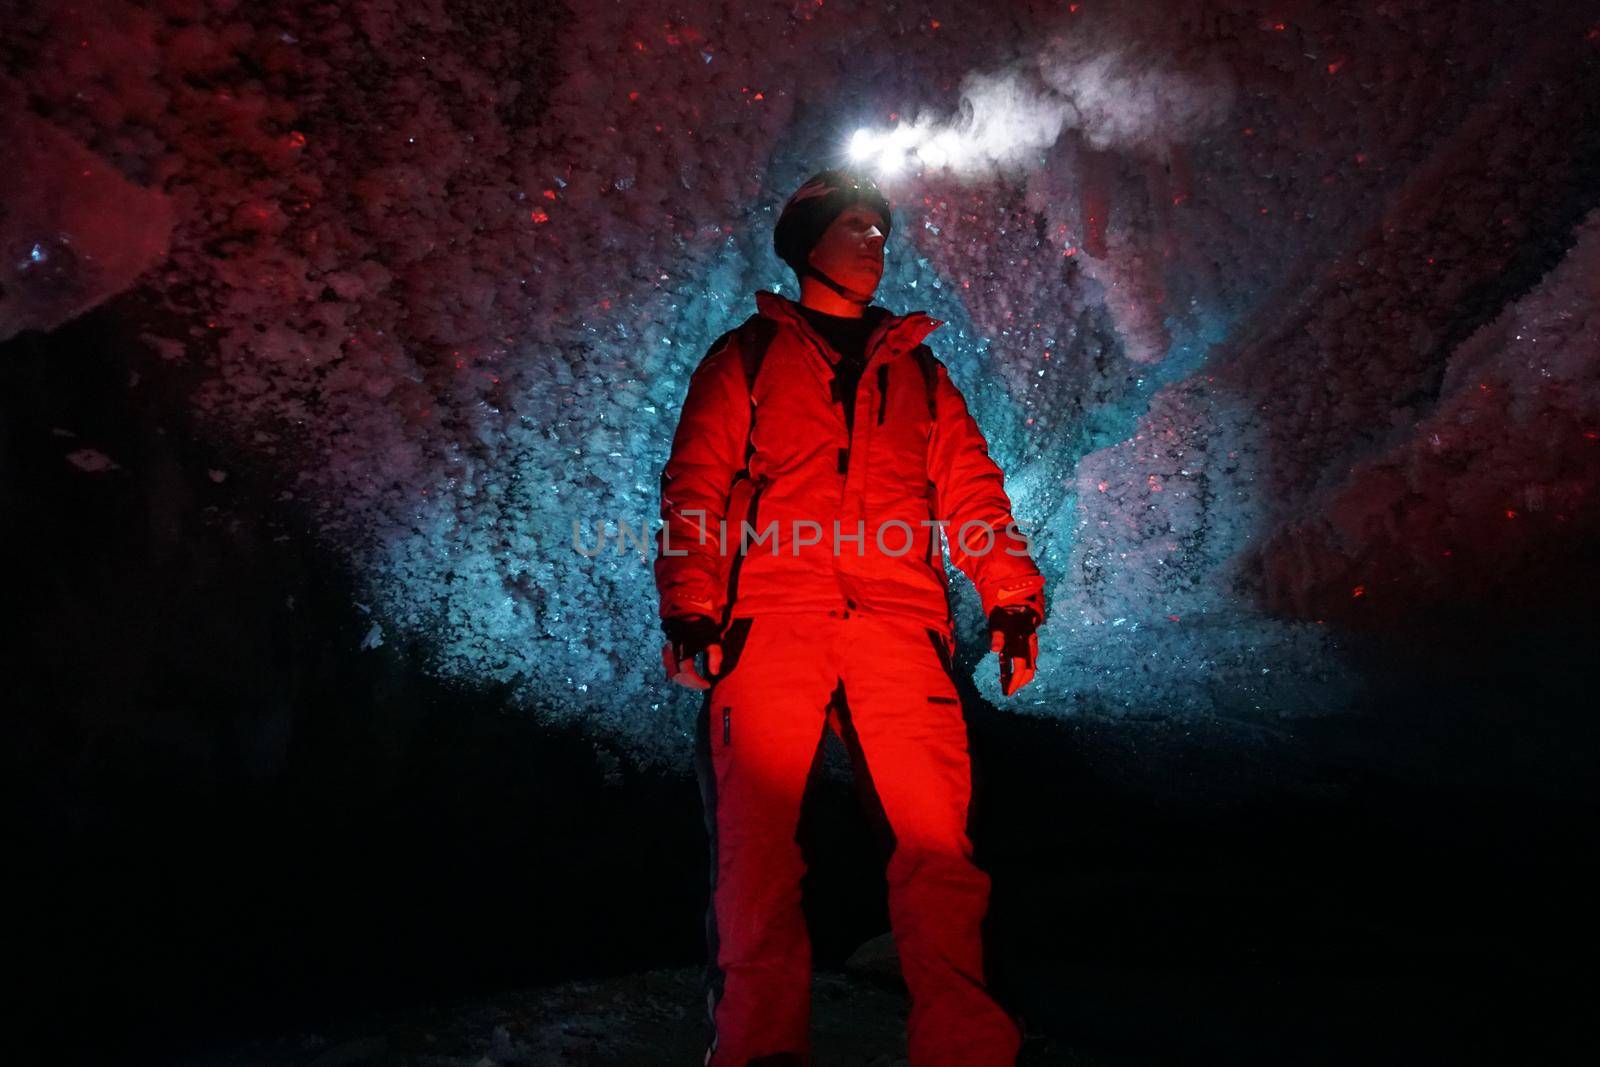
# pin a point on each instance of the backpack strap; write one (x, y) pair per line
(755, 337)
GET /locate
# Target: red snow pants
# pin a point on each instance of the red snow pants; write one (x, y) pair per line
(759, 730)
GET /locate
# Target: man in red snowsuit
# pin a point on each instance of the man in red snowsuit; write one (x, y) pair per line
(821, 453)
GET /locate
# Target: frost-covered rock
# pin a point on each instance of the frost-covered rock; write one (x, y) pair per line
(73, 231)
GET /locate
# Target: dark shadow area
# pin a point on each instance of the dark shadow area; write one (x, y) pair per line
(234, 823)
(230, 818)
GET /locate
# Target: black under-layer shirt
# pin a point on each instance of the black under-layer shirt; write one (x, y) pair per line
(848, 339)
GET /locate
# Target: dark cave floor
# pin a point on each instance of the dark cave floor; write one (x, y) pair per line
(1227, 959)
(1239, 903)
(1133, 1015)
(648, 1018)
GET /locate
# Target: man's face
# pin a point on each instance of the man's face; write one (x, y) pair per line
(850, 250)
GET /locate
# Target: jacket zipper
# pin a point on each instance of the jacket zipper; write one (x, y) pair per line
(727, 725)
(883, 391)
(822, 352)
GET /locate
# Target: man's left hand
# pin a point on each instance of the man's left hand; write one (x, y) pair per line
(1013, 636)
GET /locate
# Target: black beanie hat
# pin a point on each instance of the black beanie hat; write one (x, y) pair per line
(814, 206)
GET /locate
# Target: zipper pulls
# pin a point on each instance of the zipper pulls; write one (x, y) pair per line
(727, 725)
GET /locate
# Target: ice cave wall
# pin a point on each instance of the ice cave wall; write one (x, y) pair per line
(1282, 322)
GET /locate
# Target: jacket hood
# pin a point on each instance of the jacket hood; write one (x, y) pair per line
(898, 333)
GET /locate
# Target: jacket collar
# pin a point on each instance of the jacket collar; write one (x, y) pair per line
(895, 335)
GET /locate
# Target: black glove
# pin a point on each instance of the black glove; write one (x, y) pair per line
(687, 637)
(1013, 636)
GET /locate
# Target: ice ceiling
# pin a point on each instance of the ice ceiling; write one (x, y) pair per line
(1281, 320)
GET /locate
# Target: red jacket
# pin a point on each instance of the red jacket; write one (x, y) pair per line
(777, 463)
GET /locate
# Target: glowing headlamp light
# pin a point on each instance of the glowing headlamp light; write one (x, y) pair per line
(888, 153)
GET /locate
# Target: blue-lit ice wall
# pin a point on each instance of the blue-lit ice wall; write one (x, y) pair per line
(1272, 321)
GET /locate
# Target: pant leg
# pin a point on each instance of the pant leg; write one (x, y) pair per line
(908, 734)
(759, 731)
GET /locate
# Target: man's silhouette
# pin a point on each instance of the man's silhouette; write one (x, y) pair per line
(820, 448)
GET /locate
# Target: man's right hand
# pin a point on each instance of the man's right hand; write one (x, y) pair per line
(687, 637)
